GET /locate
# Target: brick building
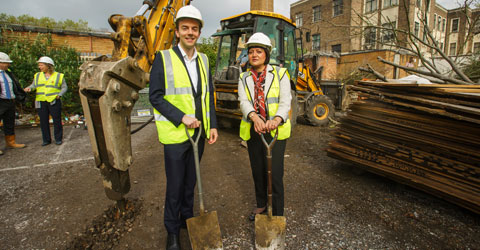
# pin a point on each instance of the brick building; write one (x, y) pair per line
(88, 44)
(459, 40)
(351, 25)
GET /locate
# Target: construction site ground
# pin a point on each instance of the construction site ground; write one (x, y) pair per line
(52, 197)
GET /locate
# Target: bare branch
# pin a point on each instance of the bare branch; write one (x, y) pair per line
(373, 71)
(426, 73)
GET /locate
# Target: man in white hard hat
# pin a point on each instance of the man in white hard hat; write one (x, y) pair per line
(181, 93)
(50, 86)
(10, 90)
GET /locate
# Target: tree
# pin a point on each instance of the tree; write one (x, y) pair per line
(209, 47)
(46, 22)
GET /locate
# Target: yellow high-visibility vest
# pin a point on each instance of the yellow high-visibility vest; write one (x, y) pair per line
(47, 90)
(271, 102)
(178, 91)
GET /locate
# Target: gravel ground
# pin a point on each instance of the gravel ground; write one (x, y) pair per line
(52, 198)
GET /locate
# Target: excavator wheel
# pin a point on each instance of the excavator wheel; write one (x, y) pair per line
(319, 108)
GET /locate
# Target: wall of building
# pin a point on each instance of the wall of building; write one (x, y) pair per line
(88, 44)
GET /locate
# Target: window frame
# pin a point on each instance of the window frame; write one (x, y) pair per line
(372, 7)
(337, 7)
(299, 21)
(316, 18)
(454, 50)
(458, 25)
(316, 42)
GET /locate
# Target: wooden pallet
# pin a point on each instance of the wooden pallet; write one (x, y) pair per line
(423, 135)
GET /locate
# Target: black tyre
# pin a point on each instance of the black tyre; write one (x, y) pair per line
(319, 108)
(293, 113)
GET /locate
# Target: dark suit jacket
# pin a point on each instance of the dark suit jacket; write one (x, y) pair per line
(157, 92)
(17, 88)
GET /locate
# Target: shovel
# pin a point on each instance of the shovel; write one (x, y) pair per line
(203, 230)
(269, 229)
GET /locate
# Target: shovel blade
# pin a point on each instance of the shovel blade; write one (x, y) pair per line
(204, 231)
(270, 232)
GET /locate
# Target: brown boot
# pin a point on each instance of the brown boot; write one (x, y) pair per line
(1, 152)
(10, 139)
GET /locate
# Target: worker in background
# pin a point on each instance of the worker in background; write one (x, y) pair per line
(264, 95)
(50, 86)
(10, 90)
(181, 93)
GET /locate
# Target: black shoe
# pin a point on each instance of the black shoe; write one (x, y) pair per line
(45, 143)
(251, 217)
(58, 142)
(173, 242)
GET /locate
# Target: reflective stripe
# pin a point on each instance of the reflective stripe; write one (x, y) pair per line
(57, 81)
(52, 87)
(205, 63)
(167, 58)
(50, 94)
(40, 85)
(273, 100)
(160, 118)
(40, 93)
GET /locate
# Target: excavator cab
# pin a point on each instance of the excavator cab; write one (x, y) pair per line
(232, 58)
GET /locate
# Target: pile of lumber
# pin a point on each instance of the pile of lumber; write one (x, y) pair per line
(423, 135)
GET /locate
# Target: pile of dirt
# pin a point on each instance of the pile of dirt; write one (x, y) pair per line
(106, 230)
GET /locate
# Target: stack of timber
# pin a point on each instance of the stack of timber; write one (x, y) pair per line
(423, 135)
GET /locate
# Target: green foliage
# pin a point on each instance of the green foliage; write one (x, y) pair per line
(25, 53)
(209, 46)
(46, 22)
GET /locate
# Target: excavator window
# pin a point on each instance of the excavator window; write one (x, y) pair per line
(268, 26)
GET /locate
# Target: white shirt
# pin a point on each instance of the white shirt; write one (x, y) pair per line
(191, 66)
(3, 94)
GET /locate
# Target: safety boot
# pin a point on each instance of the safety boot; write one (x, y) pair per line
(10, 140)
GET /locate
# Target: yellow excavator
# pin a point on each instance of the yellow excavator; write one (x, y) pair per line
(109, 87)
(308, 99)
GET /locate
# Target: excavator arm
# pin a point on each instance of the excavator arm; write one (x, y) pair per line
(109, 88)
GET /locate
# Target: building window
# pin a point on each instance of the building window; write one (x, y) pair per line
(441, 46)
(370, 5)
(419, 3)
(316, 42)
(337, 48)
(455, 25)
(299, 20)
(388, 30)
(476, 48)
(316, 14)
(299, 44)
(443, 24)
(337, 7)
(453, 49)
(439, 22)
(388, 3)
(370, 37)
(416, 29)
(434, 20)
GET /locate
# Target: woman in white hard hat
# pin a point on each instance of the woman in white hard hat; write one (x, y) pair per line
(264, 94)
(50, 86)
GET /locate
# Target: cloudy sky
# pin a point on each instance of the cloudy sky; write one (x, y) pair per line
(96, 12)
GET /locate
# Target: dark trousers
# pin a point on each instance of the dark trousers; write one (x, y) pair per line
(55, 111)
(7, 115)
(258, 162)
(181, 180)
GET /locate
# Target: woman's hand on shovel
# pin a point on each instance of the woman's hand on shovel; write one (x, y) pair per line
(190, 122)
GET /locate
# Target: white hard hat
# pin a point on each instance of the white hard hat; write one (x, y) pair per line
(46, 59)
(4, 58)
(261, 40)
(189, 11)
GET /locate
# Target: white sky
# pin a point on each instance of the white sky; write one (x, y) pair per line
(96, 12)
